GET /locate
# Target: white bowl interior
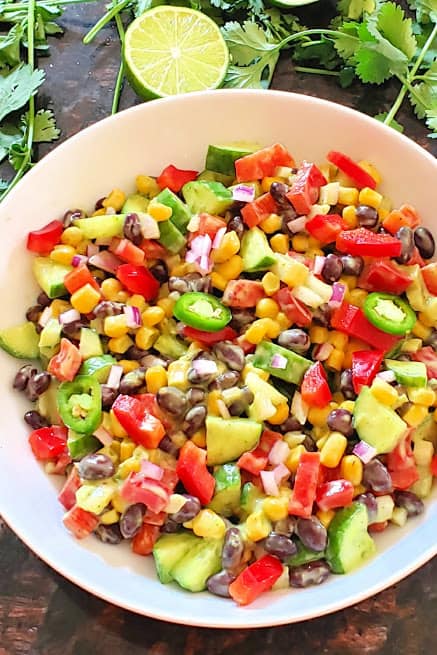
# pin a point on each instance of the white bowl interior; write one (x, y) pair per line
(110, 154)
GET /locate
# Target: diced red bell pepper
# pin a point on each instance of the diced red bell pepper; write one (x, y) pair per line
(59, 467)
(315, 389)
(193, 473)
(255, 580)
(209, 224)
(305, 189)
(262, 163)
(337, 493)
(428, 356)
(80, 522)
(255, 212)
(43, 241)
(384, 276)
(138, 279)
(351, 320)
(404, 479)
(434, 466)
(405, 216)
(174, 178)
(365, 365)
(253, 461)
(78, 277)
(378, 527)
(294, 310)
(327, 474)
(145, 538)
(209, 338)
(365, 243)
(48, 442)
(66, 363)
(137, 488)
(416, 258)
(127, 251)
(243, 293)
(305, 485)
(67, 495)
(350, 168)
(152, 249)
(247, 347)
(150, 405)
(402, 465)
(325, 227)
(429, 274)
(154, 518)
(134, 416)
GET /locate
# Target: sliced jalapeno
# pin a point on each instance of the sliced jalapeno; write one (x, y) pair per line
(389, 313)
(202, 311)
(80, 404)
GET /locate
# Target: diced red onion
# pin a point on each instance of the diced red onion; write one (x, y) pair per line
(78, 260)
(297, 224)
(224, 411)
(279, 361)
(204, 366)
(387, 376)
(69, 316)
(299, 408)
(103, 241)
(45, 317)
(364, 451)
(133, 316)
(205, 264)
(92, 249)
(322, 352)
(318, 264)
(338, 291)
(150, 470)
(114, 377)
(279, 452)
(191, 257)
(103, 436)
(281, 472)
(218, 237)
(149, 227)
(201, 244)
(106, 261)
(270, 485)
(243, 193)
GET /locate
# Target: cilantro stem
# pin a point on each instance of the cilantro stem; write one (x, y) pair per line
(316, 71)
(106, 18)
(120, 75)
(301, 35)
(48, 3)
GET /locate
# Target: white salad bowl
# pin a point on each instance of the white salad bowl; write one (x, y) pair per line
(110, 154)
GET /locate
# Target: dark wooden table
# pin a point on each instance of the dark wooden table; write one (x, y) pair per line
(43, 614)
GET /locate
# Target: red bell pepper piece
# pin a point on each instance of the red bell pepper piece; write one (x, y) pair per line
(434, 466)
(337, 493)
(402, 465)
(78, 277)
(48, 442)
(365, 365)
(428, 356)
(404, 479)
(255, 212)
(209, 338)
(305, 189)
(134, 416)
(80, 522)
(416, 258)
(262, 163)
(255, 579)
(174, 178)
(429, 274)
(325, 227)
(145, 538)
(384, 276)
(138, 488)
(67, 495)
(351, 320)
(66, 363)
(243, 293)
(405, 216)
(305, 485)
(315, 389)
(378, 527)
(138, 279)
(152, 249)
(294, 310)
(127, 251)
(247, 347)
(154, 518)
(365, 243)
(253, 461)
(193, 473)
(209, 224)
(351, 169)
(43, 241)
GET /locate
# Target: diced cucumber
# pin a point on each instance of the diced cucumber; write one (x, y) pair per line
(213, 176)
(249, 496)
(89, 344)
(20, 341)
(295, 365)
(255, 251)
(103, 227)
(423, 486)
(226, 499)
(227, 439)
(169, 550)
(349, 543)
(50, 338)
(377, 424)
(222, 158)
(210, 197)
(47, 406)
(135, 203)
(181, 215)
(412, 374)
(50, 276)
(170, 237)
(80, 445)
(98, 367)
(198, 564)
(384, 508)
(304, 555)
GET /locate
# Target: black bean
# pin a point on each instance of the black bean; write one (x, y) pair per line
(241, 402)
(332, 268)
(43, 299)
(188, 511)
(280, 545)
(278, 191)
(109, 534)
(291, 424)
(236, 225)
(35, 420)
(132, 382)
(369, 501)
(33, 313)
(194, 419)
(108, 308)
(295, 339)
(309, 444)
(409, 501)
(432, 339)
(135, 353)
(160, 271)
(218, 584)
(225, 380)
(285, 526)
(231, 354)
(309, 574)
(376, 477)
(233, 548)
(170, 527)
(72, 328)
(168, 446)
(131, 520)
(23, 376)
(352, 264)
(132, 229)
(241, 318)
(73, 214)
(340, 420)
(197, 282)
(195, 395)
(96, 467)
(424, 241)
(406, 237)
(172, 400)
(37, 385)
(178, 284)
(312, 533)
(366, 216)
(153, 360)
(99, 203)
(322, 315)
(287, 216)
(346, 385)
(199, 377)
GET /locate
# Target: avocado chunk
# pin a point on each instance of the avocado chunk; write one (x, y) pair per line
(20, 341)
(50, 276)
(214, 176)
(170, 237)
(209, 197)
(304, 555)
(89, 343)
(169, 550)
(293, 366)
(50, 338)
(226, 499)
(168, 343)
(98, 367)
(180, 215)
(80, 445)
(47, 406)
(222, 158)
(198, 564)
(377, 424)
(135, 204)
(255, 251)
(349, 543)
(249, 495)
(412, 374)
(227, 439)
(426, 431)
(103, 227)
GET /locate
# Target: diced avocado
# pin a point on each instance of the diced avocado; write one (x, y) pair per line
(95, 496)
(80, 445)
(426, 431)
(349, 543)
(304, 555)
(377, 424)
(47, 406)
(103, 227)
(98, 367)
(423, 486)
(89, 344)
(249, 495)
(227, 439)
(267, 398)
(226, 499)
(181, 215)
(135, 203)
(255, 251)
(170, 237)
(169, 550)
(50, 276)
(223, 158)
(420, 299)
(198, 564)
(209, 197)
(50, 338)
(412, 374)
(213, 176)
(20, 341)
(292, 366)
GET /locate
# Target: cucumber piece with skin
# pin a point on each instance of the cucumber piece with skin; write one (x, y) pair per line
(170, 236)
(181, 215)
(255, 251)
(169, 550)
(210, 197)
(227, 491)
(349, 543)
(103, 227)
(20, 341)
(198, 564)
(90, 344)
(50, 276)
(222, 158)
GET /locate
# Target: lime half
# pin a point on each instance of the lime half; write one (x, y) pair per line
(170, 50)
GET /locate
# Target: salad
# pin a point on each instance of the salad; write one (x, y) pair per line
(237, 368)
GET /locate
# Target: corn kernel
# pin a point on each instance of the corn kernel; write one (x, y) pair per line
(109, 517)
(281, 414)
(280, 243)
(300, 243)
(99, 212)
(110, 287)
(128, 365)
(266, 308)
(229, 246)
(275, 509)
(62, 254)
(323, 439)
(318, 416)
(357, 297)
(415, 415)
(249, 368)
(347, 195)
(156, 377)
(333, 450)
(271, 224)
(335, 360)
(282, 320)
(182, 269)
(338, 339)
(292, 461)
(135, 300)
(199, 438)
(208, 524)
(349, 216)
(126, 449)
(318, 334)
(72, 236)
(115, 326)
(420, 330)
(152, 316)
(82, 247)
(423, 318)
(258, 526)
(177, 373)
(167, 305)
(349, 405)
(267, 182)
(325, 516)
(271, 283)
(231, 269)
(218, 281)
(119, 345)
(147, 185)
(372, 170)
(159, 212)
(58, 307)
(212, 404)
(116, 428)
(370, 198)
(384, 392)
(359, 489)
(338, 397)
(119, 504)
(146, 337)
(85, 299)
(425, 396)
(256, 332)
(351, 469)
(116, 200)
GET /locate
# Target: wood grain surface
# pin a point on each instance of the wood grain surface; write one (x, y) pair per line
(43, 614)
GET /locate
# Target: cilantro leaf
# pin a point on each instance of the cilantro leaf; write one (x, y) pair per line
(18, 87)
(394, 124)
(426, 10)
(372, 66)
(247, 42)
(45, 129)
(355, 8)
(424, 98)
(10, 46)
(431, 121)
(347, 42)
(254, 76)
(396, 28)
(9, 135)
